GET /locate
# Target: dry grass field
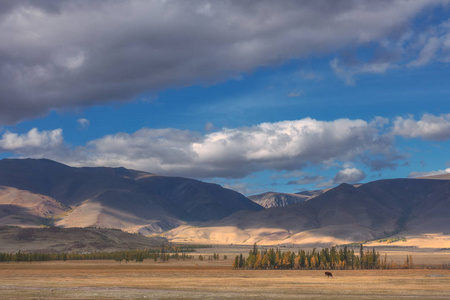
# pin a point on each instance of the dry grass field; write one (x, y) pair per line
(193, 279)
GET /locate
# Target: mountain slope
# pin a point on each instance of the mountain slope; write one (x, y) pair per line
(18, 207)
(116, 197)
(206, 201)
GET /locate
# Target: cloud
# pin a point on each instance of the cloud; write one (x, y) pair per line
(296, 93)
(348, 73)
(161, 150)
(325, 184)
(235, 153)
(413, 48)
(429, 127)
(427, 53)
(388, 162)
(227, 153)
(209, 126)
(349, 175)
(33, 143)
(306, 180)
(62, 54)
(83, 123)
(433, 45)
(309, 75)
(286, 146)
(415, 174)
(288, 175)
(241, 187)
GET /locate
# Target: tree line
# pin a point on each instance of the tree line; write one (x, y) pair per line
(334, 258)
(164, 253)
(215, 256)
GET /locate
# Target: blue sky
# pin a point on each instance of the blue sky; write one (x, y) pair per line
(281, 97)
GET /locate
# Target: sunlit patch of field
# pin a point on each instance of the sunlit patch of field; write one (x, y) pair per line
(426, 240)
(210, 279)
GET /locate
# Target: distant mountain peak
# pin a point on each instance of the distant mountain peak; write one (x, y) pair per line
(273, 199)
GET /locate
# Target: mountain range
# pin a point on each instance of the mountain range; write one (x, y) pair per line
(36, 193)
(415, 208)
(44, 192)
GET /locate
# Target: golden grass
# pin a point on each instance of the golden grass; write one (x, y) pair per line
(210, 279)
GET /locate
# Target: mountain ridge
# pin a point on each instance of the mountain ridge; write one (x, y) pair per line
(37, 193)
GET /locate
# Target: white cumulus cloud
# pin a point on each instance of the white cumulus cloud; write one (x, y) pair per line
(349, 175)
(32, 143)
(429, 127)
(288, 146)
(234, 153)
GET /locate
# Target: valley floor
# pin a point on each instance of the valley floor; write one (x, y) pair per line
(194, 279)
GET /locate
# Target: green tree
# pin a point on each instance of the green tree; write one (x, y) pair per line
(374, 258)
(255, 249)
(251, 259)
(241, 261)
(236, 262)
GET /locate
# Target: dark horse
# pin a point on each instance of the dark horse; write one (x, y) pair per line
(329, 274)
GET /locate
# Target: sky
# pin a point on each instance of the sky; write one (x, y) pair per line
(256, 96)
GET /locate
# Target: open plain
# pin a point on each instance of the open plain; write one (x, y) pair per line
(206, 279)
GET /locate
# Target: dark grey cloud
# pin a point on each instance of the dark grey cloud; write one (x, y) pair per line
(306, 180)
(59, 54)
(48, 6)
(379, 164)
